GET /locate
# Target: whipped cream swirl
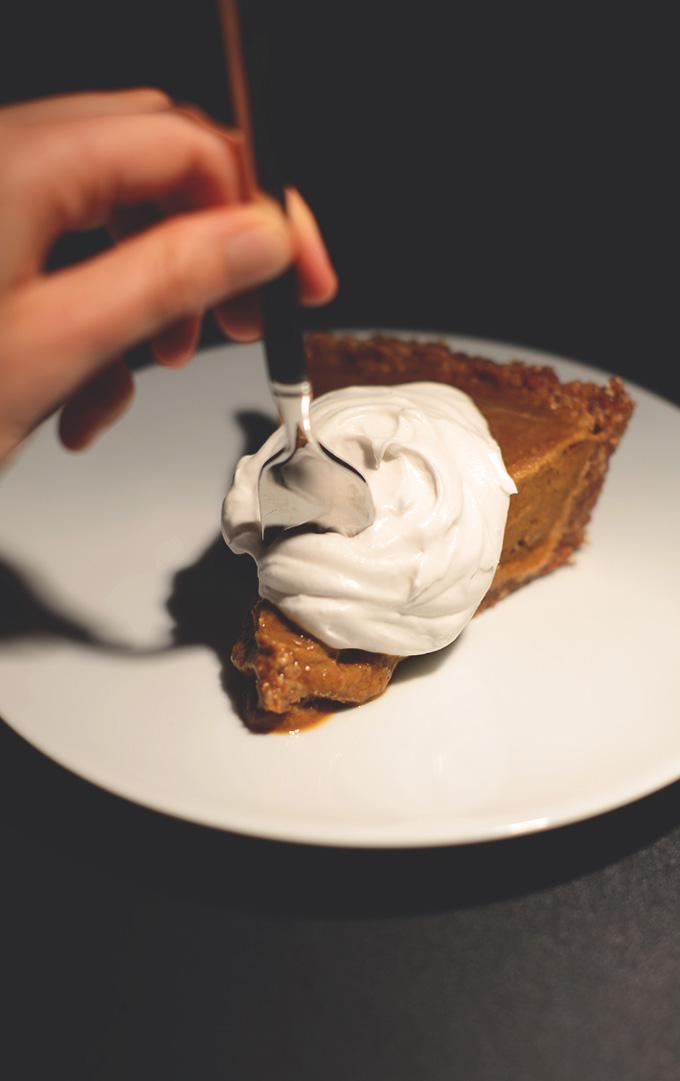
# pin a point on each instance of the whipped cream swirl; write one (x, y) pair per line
(410, 582)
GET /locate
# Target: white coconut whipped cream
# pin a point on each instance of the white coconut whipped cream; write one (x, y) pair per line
(410, 582)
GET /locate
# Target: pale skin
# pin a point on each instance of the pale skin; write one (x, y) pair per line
(167, 183)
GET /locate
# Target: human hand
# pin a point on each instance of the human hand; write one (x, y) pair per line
(167, 183)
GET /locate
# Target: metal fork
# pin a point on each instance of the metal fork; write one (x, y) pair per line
(304, 485)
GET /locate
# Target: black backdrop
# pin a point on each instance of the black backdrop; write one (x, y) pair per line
(495, 169)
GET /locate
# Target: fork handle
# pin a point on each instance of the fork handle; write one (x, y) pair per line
(282, 325)
(283, 342)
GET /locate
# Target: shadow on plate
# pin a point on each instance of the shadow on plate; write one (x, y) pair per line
(24, 614)
(207, 600)
(29, 613)
(417, 667)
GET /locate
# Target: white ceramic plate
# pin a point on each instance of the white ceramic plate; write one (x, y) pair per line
(561, 702)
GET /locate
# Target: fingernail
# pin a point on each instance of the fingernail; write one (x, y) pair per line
(258, 252)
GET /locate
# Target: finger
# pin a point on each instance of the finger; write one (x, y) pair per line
(61, 328)
(317, 280)
(97, 405)
(79, 106)
(86, 168)
(124, 221)
(176, 346)
(240, 318)
(235, 141)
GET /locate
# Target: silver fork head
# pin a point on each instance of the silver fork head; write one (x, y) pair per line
(305, 484)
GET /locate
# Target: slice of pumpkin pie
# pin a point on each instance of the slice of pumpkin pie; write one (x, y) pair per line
(477, 493)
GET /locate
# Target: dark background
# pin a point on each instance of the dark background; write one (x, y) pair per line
(500, 170)
(490, 169)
